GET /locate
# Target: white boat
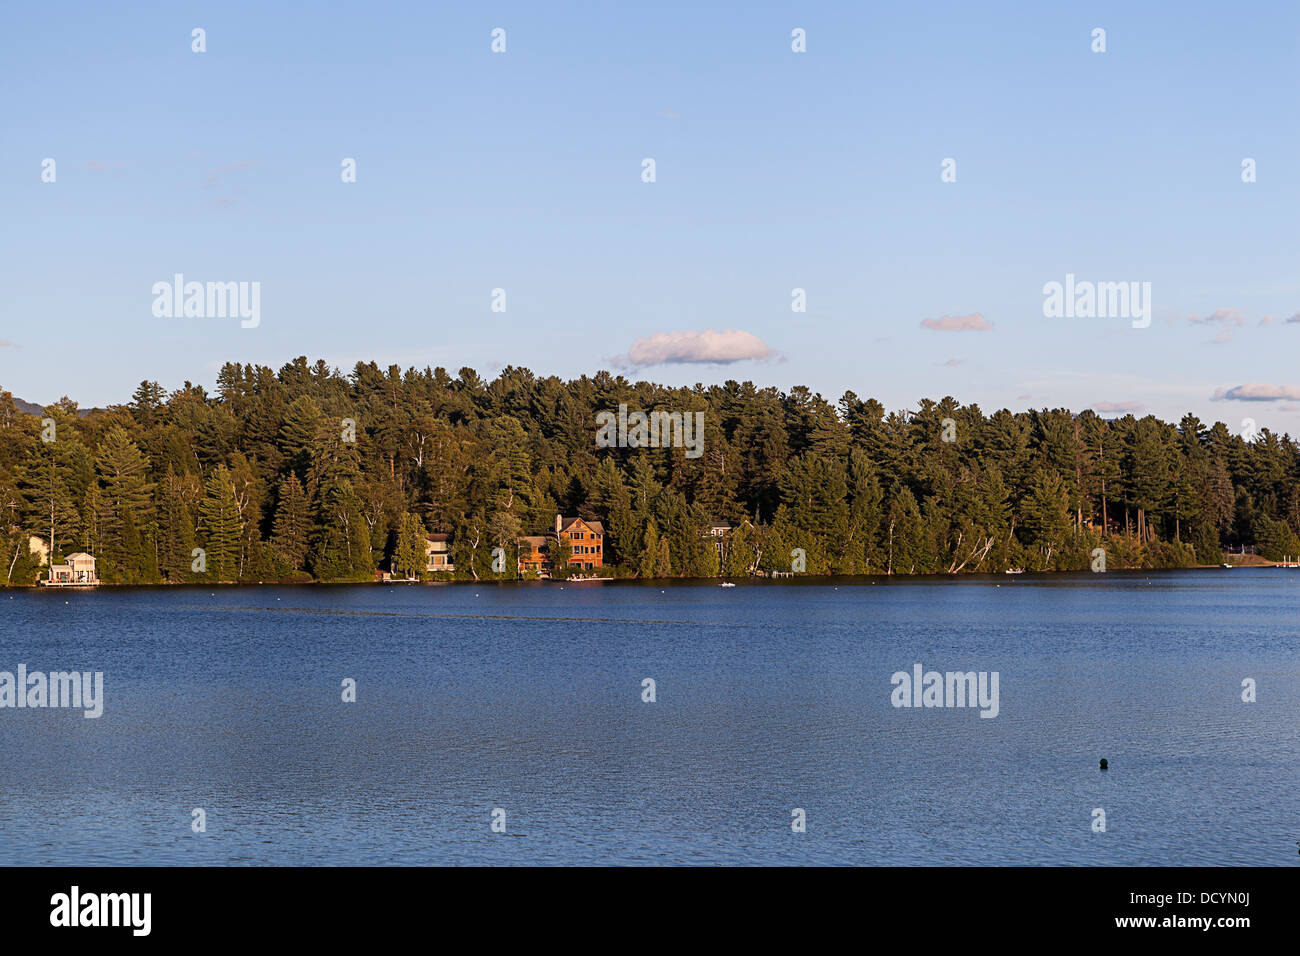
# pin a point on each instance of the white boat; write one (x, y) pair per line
(1014, 571)
(726, 584)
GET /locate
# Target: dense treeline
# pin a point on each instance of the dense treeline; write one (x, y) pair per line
(263, 478)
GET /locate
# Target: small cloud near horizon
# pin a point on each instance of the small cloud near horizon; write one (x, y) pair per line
(1219, 317)
(1119, 408)
(953, 363)
(695, 348)
(975, 322)
(7, 344)
(1257, 392)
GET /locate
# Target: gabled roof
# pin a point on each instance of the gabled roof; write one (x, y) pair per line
(595, 526)
(437, 537)
(80, 554)
(536, 540)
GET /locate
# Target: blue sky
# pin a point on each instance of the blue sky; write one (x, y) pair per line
(774, 170)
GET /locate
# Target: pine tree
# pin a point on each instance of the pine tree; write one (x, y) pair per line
(219, 526)
(292, 525)
(664, 565)
(1046, 516)
(342, 550)
(738, 552)
(127, 502)
(648, 561)
(147, 403)
(409, 558)
(302, 423)
(903, 531)
(176, 537)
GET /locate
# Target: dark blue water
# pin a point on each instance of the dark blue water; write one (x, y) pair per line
(771, 697)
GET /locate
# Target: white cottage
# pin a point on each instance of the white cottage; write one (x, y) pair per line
(77, 571)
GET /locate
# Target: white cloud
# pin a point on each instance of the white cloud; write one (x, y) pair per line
(681, 348)
(1119, 408)
(1257, 392)
(975, 322)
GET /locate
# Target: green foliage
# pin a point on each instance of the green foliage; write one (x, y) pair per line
(260, 476)
(341, 550)
(219, 526)
(125, 508)
(292, 528)
(409, 557)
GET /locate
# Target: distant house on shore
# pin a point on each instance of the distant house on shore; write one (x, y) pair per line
(437, 558)
(437, 552)
(78, 571)
(534, 555)
(585, 540)
(719, 531)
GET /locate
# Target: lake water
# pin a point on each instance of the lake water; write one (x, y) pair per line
(770, 696)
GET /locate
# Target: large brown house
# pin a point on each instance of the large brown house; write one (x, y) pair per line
(585, 540)
(534, 555)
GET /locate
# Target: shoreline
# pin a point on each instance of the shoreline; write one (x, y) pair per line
(784, 578)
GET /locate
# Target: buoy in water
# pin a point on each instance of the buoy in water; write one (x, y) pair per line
(1103, 763)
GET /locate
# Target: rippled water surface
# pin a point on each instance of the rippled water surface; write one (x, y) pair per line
(771, 696)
